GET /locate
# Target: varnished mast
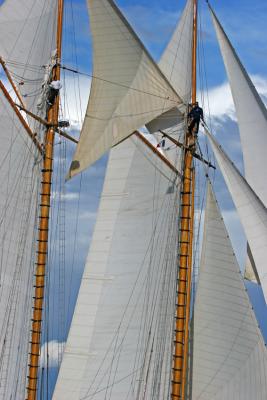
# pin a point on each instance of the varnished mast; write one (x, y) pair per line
(42, 248)
(180, 355)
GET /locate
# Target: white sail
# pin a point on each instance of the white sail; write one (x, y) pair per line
(251, 210)
(251, 114)
(19, 172)
(128, 89)
(175, 63)
(120, 338)
(229, 354)
(27, 32)
(176, 60)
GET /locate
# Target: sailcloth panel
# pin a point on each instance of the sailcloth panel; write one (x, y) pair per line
(176, 61)
(229, 354)
(19, 172)
(27, 32)
(251, 114)
(252, 212)
(128, 89)
(120, 338)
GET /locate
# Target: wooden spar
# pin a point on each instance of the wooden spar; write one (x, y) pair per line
(46, 123)
(35, 343)
(20, 117)
(185, 261)
(188, 289)
(9, 77)
(155, 150)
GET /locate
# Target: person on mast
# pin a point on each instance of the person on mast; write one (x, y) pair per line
(194, 117)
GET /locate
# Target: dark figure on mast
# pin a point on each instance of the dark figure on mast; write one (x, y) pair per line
(194, 117)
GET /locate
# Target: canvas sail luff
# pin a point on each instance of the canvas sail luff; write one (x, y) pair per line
(128, 89)
(251, 210)
(43, 226)
(230, 357)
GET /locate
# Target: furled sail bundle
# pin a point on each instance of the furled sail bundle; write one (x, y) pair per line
(128, 89)
(229, 354)
(27, 32)
(251, 210)
(124, 311)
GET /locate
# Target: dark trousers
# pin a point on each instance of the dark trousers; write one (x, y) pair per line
(194, 126)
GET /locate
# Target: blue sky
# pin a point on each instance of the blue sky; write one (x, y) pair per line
(245, 23)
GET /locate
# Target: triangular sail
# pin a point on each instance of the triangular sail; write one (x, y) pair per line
(120, 338)
(27, 32)
(229, 354)
(175, 63)
(128, 89)
(251, 210)
(251, 115)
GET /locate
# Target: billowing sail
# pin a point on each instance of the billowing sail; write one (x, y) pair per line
(251, 115)
(229, 354)
(120, 340)
(27, 32)
(176, 61)
(128, 89)
(176, 64)
(19, 172)
(251, 210)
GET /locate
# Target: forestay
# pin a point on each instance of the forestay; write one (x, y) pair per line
(27, 32)
(229, 354)
(128, 89)
(251, 210)
(120, 340)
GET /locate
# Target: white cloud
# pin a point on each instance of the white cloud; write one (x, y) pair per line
(54, 349)
(88, 215)
(221, 102)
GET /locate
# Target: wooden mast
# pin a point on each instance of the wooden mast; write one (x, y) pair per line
(42, 248)
(181, 340)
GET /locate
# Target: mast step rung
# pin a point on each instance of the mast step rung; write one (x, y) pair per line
(181, 280)
(185, 204)
(46, 170)
(42, 241)
(41, 252)
(37, 308)
(177, 369)
(180, 305)
(45, 194)
(33, 366)
(183, 242)
(37, 332)
(39, 275)
(184, 230)
(36, 320)
(32, 390)
(46, 183)
(38, 297)
(185, 217)
(183, 268)
(39, 286)
(175, 356)
(179, 292)
(177, 396)
(44, 205)
(177, 342)
(35, 343)
(178, 331)
(42, 217)
(186, 192)
(179, 318)
(34, 354)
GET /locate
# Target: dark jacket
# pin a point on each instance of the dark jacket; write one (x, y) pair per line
(196, 113)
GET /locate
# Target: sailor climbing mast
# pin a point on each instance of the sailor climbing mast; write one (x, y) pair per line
(181, 336)
(43, 227)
